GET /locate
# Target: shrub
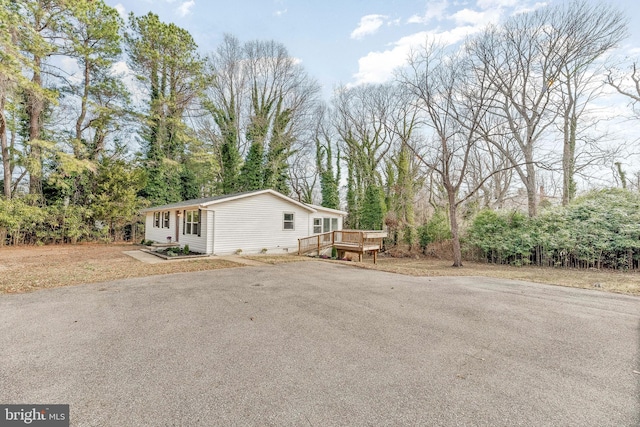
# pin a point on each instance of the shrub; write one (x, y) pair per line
(436, 229)
(599, 229)
(186, 250)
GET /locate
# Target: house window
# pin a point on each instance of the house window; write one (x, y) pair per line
(317, 225)
(192, 222)
(156, 219)
(165, 222)
(287, 221)
(334, 223)
(326, 225)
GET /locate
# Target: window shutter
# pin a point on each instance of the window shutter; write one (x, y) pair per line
(199, 221)
(184, 221)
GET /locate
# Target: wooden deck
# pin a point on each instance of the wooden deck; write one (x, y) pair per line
(356, 241)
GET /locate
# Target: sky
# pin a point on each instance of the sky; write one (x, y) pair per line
(351, 42)
(347, 42)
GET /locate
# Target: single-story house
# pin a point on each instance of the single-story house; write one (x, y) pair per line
(249, 222)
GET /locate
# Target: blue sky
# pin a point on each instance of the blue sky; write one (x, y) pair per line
(345, 41)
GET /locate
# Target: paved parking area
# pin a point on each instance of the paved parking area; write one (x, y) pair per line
(323, 344)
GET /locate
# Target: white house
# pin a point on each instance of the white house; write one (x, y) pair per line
(250, 222)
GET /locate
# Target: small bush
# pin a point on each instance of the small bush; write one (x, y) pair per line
(186, 250)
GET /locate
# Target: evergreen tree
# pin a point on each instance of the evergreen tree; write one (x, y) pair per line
(328, 181)
(373, 208)
(165, 58)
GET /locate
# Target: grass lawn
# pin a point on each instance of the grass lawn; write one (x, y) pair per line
(28, 268)
(604, 280)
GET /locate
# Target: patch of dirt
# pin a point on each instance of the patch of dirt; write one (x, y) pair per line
(29, 268)
(602, 280)
(276, 259)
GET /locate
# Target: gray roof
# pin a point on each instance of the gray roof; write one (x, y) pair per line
(197, 202)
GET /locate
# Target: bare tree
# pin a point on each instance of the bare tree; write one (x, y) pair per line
(526, 57)
(361, 118)
(260, 100)
(627, 84)
(224, 101)
(597, 28)
(453, 99)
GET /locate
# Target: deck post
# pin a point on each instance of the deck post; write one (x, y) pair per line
(299, 246)
(318, 244)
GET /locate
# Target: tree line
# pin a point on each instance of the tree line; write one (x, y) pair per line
(482, 124)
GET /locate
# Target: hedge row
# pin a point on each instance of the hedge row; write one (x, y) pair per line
(598, 230)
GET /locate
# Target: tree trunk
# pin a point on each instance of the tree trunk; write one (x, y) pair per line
(532, 191)
(455, 232)
(6, 163)
(569, 160)
(35, 106)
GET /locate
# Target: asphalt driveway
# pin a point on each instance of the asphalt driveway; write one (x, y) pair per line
(322, 344)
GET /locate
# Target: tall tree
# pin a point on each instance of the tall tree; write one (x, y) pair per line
(362, 115)
(600, 27)
(325, 143)
(91, 36)
(224, 101)
(525, 58)
(165, 58)
(11, 79)
(453, 98)
(259, 100)
(44, 19)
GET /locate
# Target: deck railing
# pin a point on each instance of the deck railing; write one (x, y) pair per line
(346, 240)
(315, 243)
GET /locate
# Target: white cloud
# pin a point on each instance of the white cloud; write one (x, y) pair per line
(435, 10)
(120, 67)
(280, 12)
(121, 10)
(527, 9)
(475, 18)
(488, 4)
(369, 24)
(185, 8)
(378, 67)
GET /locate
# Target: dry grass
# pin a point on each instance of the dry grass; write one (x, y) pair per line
(29, 268)
(277, 259)
(611, 281)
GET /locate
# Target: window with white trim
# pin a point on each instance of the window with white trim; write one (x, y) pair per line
(165, 221)
(324, 225)
(287, 221)
(317, 225)
(192, 222)
(156, 219)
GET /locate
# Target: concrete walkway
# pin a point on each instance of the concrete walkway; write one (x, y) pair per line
(148, 258)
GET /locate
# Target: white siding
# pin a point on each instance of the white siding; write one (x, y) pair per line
(254, 223)
(323, 214)
(159, 234)
(196, 243)
(209, 227)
